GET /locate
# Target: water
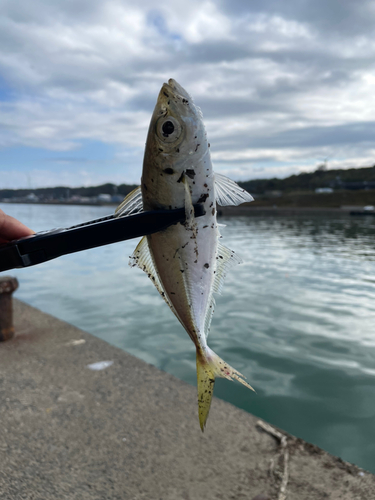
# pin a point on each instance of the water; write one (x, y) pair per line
(297, 318)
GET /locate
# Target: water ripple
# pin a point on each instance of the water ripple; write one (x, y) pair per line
(297, 318)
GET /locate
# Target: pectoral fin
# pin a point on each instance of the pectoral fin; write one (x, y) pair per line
(189, 209)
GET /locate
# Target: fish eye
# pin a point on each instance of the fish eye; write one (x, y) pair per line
(168, 129)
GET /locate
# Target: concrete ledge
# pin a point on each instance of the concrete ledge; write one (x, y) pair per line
(131, 431)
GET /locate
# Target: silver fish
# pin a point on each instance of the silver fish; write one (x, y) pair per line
(186, 262)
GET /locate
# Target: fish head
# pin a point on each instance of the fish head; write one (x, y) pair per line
(176, 134)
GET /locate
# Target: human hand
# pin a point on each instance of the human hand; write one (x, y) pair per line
(11, 228)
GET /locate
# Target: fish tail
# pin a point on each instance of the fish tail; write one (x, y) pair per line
(210, 366)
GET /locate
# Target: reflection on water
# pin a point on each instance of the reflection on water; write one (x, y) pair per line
(296, 318)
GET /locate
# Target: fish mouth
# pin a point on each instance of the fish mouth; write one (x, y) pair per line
(177, 88)
(174, 89)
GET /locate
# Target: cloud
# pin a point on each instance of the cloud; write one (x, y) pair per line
(278, 82)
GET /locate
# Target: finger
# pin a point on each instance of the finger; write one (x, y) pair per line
(11, 228)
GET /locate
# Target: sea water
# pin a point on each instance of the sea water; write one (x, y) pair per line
(296, 318)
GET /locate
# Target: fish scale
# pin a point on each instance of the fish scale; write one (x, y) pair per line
(186, 262)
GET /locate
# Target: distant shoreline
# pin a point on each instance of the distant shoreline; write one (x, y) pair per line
(244, 210)
(58, 202)
(271, 210)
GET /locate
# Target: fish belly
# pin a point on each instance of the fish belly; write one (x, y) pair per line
(185, 258)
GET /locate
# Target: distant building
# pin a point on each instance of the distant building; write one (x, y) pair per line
(352, 185)
(104, 198)
(32, 197)
(274, 193)
(323, 190)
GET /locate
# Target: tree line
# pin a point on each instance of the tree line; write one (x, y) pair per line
(353, 178)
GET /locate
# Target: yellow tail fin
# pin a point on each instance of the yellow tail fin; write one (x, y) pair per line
(209, 366)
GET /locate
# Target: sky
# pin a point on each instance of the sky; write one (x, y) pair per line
(283, 86)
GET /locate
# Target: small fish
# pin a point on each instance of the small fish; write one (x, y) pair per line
(186, 262)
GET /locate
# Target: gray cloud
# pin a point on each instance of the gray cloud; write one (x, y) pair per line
(279, 83)
(343, 17)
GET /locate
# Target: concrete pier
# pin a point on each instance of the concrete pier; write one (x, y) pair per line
(131, 432)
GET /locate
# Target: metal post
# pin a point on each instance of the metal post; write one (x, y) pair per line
(7, 286)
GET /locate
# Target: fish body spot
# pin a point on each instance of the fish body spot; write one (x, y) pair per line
(203, 198)
(190, 173)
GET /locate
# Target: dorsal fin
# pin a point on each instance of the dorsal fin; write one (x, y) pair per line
(229, 193)
(131, 204)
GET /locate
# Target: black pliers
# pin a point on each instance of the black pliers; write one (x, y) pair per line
(48, 245)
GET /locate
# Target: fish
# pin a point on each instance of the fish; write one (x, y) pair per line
(186, 262)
